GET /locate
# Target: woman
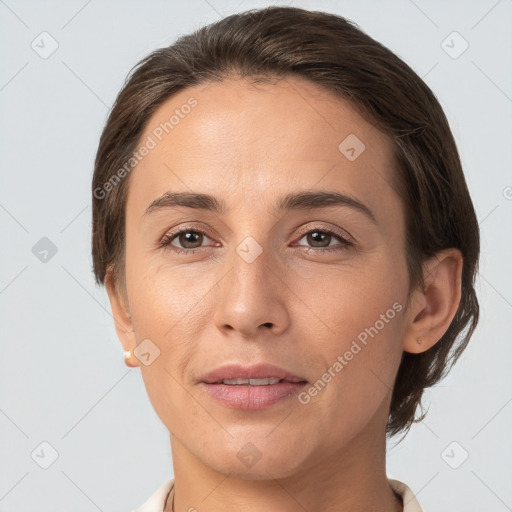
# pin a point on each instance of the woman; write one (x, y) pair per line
(289, 247)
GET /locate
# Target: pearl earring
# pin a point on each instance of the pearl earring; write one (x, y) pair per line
(127, 359)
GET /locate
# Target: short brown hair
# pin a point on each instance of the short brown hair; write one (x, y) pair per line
(332, 52)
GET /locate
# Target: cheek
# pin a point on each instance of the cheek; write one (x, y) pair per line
(168, 307)
(366, 295)
(359, 366)
(364, 321)
(164, 297)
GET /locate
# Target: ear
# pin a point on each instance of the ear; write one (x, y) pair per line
(121, 314)
(433, 308)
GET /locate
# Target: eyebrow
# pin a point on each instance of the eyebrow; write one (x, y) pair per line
(293, 201)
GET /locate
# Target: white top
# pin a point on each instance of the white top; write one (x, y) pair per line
(157, 501)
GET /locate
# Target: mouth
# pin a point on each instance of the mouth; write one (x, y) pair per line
(251, 388)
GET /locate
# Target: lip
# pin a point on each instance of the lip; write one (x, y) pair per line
(258, 371)
(251, 398)
(247, 397)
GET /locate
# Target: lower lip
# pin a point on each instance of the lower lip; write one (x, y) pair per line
(252, 397)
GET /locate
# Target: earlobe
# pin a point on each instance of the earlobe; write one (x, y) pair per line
(121, 315)
(433, 309)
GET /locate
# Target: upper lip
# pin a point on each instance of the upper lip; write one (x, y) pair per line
(258, 371)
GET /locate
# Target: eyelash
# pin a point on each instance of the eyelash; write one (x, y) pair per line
(168, 238)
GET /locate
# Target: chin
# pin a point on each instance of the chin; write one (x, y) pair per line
(257, 457)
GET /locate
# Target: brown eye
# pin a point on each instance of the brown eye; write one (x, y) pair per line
(318, 238)
(190, 239)
(187, 239)
(321, 239)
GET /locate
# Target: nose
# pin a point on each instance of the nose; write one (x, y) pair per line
(251, 299)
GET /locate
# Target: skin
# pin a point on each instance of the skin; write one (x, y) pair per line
(248, 145)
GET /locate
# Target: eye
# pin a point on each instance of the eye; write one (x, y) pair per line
(322, 238)
(189, 240)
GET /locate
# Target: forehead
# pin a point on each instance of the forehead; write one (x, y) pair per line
(241, 140)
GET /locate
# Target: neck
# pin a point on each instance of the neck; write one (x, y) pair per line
(351, 479)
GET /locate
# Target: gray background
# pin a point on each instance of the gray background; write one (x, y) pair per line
(62, 376)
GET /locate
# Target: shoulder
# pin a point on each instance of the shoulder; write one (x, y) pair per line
(157, 501)
(409, 499)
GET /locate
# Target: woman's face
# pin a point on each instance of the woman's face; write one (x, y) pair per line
(317, 288)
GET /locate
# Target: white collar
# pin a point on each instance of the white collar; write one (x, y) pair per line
(157, 501)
